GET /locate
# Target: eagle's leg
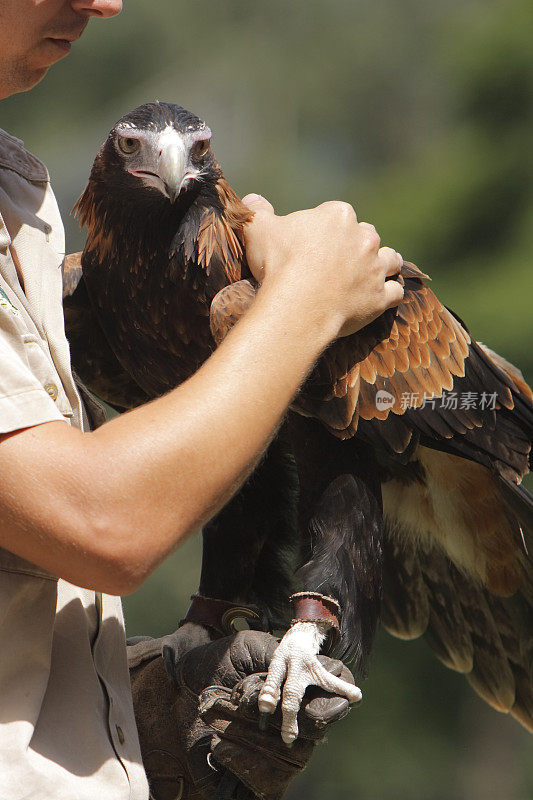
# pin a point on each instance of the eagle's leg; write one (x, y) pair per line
(249, 552)
(341, 532)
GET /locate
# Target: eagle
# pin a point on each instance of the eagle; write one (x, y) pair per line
(393, 490)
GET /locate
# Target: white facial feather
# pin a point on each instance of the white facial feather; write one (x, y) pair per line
(163, 160)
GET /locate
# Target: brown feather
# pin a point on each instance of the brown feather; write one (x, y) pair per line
(405, 614)
(72, 272)
(228, 307)
(459, 506)
(403, 358)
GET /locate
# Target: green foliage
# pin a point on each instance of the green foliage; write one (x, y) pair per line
(420, 115)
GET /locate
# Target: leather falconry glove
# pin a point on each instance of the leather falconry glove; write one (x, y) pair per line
(199, 733)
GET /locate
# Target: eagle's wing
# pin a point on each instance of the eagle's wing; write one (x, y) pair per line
(413, 376)
(454, 441)
(72, 272)
(92, 357)
(228, 306)
(472, 630)
(416, 373)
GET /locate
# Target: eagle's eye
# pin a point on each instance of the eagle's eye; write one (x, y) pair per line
(200, 148)
(127, 145)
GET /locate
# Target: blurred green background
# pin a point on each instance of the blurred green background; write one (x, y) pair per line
(420, 114)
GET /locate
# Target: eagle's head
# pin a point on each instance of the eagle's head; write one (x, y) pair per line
(158, 147)
(156, 192)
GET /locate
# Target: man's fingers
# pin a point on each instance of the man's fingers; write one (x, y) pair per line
(391, 260)
(393, 293)
(257, 202)
(257, 232)
(392, 263)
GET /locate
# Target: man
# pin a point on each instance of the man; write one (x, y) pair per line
(80, 505)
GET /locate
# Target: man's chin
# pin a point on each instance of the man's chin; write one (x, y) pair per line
(52, 50)
(19, 74)
(21, 79)
(35, 78)
(48, 52)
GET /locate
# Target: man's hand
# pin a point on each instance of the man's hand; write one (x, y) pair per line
(331, 264)
(201, 735)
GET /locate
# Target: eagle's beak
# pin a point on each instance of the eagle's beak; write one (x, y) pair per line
(173, 163)
(176, 167)
(172, 192)
(169, 167)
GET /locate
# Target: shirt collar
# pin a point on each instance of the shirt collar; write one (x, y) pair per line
(14, 156)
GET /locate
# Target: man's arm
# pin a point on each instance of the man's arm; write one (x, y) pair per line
(104, 509)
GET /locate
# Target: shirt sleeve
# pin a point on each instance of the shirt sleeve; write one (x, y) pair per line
(29, 385)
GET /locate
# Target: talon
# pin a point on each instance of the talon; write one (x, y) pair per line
(355, 696)
(289, 737)
(267, 703)
(264, 717)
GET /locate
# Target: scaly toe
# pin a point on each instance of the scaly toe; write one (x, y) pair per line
(267, 703)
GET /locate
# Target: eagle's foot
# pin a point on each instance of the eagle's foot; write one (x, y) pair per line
(295, 666)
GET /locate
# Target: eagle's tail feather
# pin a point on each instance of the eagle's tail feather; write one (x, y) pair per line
(519, 503)
(471, 630)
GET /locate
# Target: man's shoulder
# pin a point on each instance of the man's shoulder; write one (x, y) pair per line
(15, 157)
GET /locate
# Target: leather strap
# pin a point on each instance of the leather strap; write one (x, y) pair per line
(224, 617)
(316, 607)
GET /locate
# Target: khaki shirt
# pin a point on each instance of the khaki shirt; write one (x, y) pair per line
(67, 730)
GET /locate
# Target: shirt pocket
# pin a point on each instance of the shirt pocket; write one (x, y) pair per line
(41, 365)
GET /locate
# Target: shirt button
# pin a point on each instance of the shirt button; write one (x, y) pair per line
(120, 734)
(52, 390)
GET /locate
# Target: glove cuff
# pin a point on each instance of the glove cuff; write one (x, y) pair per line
(221, 615)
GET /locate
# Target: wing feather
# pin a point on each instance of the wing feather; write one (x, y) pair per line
(470, 630)
(404, 613)
(72, 272)
(92, 357)
(228, 306)
(455, 571)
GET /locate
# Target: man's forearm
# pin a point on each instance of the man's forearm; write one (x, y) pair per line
(125, 495)
(202, 439)
(103, 509)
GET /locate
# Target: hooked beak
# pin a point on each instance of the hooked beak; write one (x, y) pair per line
(173, 161)
(173, 169)
(172, 192)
